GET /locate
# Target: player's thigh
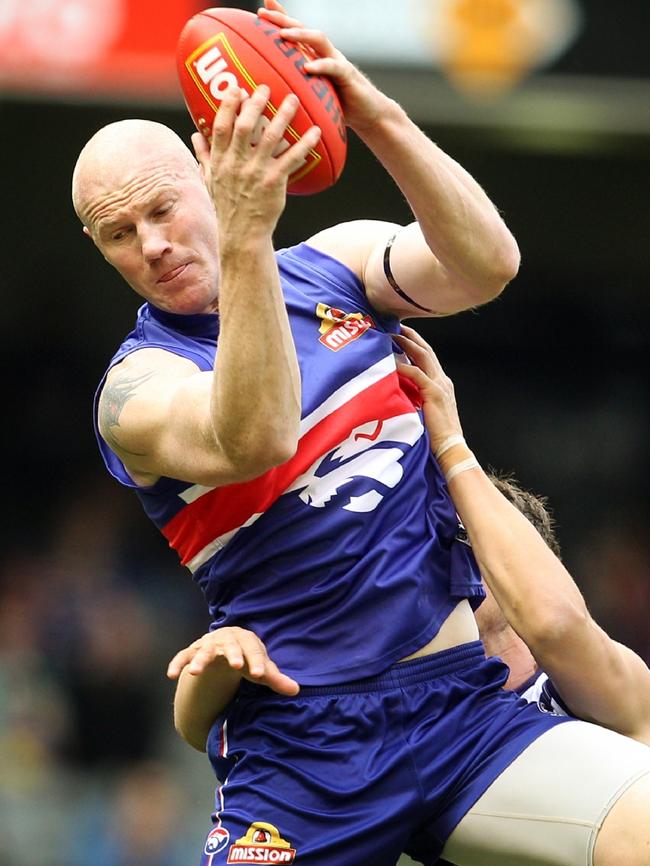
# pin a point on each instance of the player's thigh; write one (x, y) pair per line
(303, 780)
(624, 838)
(547, 807)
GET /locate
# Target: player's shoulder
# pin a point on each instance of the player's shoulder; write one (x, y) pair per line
(134, 404)
(148, 363)
(141, 379)
(353, 242)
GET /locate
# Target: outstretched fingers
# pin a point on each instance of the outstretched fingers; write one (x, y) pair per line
(295, 156)
(419, 353)
(413, 372)
(279, 682)
(243, 125)
(436, 388)
(180, 661)
(261, 669)
(226, 116)
(272, 140)
(223, 644)
(238, 649)
(241, 129)
(312, 38)
(327, 60)
(410, 339)
(275, 13)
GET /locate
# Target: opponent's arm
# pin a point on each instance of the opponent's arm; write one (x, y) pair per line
(459, 253)
(157, 412)
(209, 672)
(599, 679)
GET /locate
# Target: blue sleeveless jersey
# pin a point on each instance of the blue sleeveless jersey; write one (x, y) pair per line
(344, 559)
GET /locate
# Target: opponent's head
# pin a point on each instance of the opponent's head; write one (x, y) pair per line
(531, 506)
(140, 195)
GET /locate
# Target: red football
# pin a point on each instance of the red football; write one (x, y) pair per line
(220, 47)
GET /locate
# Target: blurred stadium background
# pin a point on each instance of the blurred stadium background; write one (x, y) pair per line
(546, 102)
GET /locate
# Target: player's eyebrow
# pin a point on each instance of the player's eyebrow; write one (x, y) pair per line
(105, 224)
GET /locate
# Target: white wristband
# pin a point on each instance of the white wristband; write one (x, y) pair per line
(463, 466)
(450, 441)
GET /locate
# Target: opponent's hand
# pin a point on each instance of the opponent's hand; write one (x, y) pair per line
(235, 649)
(247, 166)
(362, 103)
(437, 389)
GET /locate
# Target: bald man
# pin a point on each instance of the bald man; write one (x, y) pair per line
(257, 411)
(143, 200)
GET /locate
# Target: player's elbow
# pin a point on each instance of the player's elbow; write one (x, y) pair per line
(508, 263)
(256, 457)
(557, 629)
(503, 268)
(280, 449)
(491, 279)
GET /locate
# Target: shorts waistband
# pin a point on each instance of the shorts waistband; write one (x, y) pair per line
(419, 670)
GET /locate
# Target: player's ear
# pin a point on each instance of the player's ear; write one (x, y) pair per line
(89, 234)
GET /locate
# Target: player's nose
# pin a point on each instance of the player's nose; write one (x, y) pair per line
(155, 243)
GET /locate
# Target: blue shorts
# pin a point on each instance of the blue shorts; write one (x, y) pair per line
(361, 772)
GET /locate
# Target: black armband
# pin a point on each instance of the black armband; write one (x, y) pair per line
(391, 279)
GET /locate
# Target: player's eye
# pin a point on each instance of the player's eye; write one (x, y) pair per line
(163, 209)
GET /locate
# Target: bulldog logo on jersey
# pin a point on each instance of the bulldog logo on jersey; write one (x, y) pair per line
(338, 329)
(362, 460)
(216, 841)
(262, 843)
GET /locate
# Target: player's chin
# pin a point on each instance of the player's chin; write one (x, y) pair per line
(186, 296)
(187, 302)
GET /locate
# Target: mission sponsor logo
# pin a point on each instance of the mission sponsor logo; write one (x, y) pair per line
(261, 844)
(338, 329)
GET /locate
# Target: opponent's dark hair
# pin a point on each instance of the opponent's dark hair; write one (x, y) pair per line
(531, 506)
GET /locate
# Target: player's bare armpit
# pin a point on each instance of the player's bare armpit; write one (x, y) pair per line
(115, 395)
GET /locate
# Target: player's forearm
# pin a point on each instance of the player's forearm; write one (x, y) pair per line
(531, 586)
(461, 225)
(199, 699)
(602, 681)
(256, 389)
(599, 680)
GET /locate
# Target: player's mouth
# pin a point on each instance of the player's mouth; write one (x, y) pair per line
(171, 275)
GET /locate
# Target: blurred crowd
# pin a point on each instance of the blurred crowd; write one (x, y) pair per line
(90, 768)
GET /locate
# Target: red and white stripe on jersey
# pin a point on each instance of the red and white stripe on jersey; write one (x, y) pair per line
(223, 740)
(212, 516)
(219, 836)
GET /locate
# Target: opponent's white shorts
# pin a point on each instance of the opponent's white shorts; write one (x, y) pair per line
(547, 807)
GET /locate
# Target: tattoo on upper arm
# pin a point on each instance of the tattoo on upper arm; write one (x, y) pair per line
(115, 395)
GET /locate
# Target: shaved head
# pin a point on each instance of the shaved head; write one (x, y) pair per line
(142, 199)
(118, 152)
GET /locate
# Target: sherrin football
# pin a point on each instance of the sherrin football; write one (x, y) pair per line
(221, 47)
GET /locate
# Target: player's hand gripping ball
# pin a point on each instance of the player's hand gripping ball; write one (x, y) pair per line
(221, 47)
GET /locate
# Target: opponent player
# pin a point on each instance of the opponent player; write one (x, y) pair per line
(310, 514)
(621, 702)
(537, 614)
